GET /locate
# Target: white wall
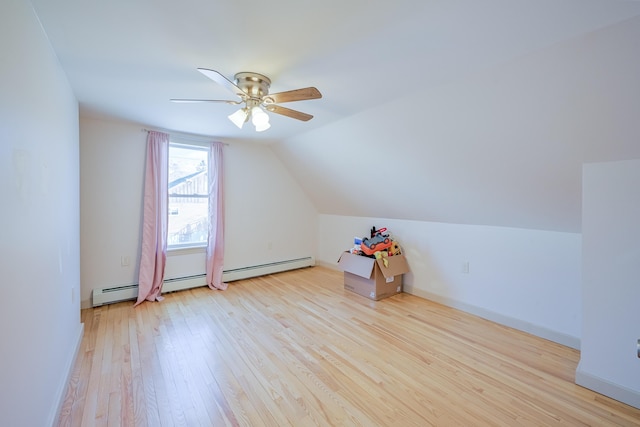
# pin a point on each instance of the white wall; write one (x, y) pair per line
(112, 159)
(527, 279)
(268, 217)
(39, 249)
(501, 147)
(611, 275)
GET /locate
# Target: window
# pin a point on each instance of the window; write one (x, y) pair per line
(188, 196)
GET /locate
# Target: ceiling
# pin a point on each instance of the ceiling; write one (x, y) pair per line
(373, 61)
(127, 59)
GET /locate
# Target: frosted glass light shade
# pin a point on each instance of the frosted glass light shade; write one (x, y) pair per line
(259, 117)
(239, 117)
(262, 127)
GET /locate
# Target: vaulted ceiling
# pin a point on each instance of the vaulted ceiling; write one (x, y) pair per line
(464, 111)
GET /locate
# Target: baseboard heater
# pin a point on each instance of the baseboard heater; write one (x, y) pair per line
(129, 292)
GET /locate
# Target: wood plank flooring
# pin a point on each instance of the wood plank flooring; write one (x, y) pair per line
(296, 349)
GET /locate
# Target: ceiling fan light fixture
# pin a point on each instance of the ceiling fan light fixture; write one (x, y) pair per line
(239, 117)
(262, 127)
(252, 90)
(259, 117)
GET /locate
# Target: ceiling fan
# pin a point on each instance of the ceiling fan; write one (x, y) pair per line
(252, 90)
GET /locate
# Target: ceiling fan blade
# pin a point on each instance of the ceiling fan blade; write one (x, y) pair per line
(223, 81)
(289, 112)
(185, 101)
(293, 95)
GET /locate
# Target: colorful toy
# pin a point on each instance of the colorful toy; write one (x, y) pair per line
(378, 243)
(381, 231)
(394, 249)
(383, 256)
(356, 249)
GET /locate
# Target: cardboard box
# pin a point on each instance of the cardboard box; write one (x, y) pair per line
(370, 278)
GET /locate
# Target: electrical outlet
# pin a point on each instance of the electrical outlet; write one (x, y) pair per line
(125, 261)
(465, 267)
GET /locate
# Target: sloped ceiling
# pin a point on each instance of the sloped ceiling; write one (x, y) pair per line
(464, 111)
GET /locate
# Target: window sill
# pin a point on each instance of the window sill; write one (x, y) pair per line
(186, 250)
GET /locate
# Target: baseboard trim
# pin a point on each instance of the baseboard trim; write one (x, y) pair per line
(521, 325)
(64, 385)
(118, 293)
(607, 388)
(329, 265)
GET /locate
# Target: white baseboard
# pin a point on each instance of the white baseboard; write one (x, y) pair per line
(607, 388)
(521, 325)
(269, 268)
(112, 294)
(68, 371)
(329, 265)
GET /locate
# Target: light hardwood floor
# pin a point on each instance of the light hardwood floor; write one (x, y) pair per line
(295, 349)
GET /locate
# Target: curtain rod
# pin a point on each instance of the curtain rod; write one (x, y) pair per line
(186, 136)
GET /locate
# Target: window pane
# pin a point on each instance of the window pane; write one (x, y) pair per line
(188, 220)
(187, 170)
(188, 195)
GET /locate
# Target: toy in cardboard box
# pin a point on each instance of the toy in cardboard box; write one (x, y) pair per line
(379, 241)
(374, 266)
(394, 249)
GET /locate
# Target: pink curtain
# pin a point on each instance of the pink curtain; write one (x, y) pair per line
(155, 218)
(215, 241)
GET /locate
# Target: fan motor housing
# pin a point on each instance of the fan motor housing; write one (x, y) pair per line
(254, 84)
